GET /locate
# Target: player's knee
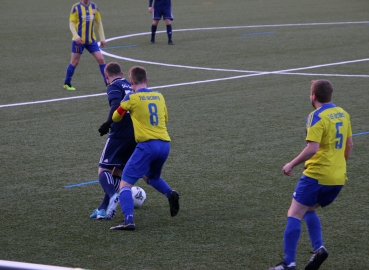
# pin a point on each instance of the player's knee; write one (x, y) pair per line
(100, 60)
(74, 62)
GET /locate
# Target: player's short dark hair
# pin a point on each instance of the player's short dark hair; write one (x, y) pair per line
(138, 75)
(113, 69)
(322, 89)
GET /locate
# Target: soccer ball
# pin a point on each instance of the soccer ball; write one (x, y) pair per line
(139, 196)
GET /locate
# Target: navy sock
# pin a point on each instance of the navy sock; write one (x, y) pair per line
(102, 67)
(291, 238)
(69, 74)
(169, 32)
(116, 182)
(160, 185)
(153, 32)
(126, 204)
(105, 202)
(315, 229)
(107, 183)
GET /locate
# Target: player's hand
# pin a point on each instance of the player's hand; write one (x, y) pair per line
(287, 169)
(104, 129)
(78, 41)
(150, 9)
(102, 43)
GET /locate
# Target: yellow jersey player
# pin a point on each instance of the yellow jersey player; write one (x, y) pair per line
(329, 145)
(83, 17)
(149, 117)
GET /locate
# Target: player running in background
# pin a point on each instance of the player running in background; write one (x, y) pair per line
(118, 147)
(162, 9)
(149, 116)
(83, 17)
(329, 145)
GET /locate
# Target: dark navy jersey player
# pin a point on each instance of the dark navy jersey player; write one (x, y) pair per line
(162, 9)
(118, 147)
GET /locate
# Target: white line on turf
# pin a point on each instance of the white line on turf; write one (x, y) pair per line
(285, 72)
(221, 28)
(253, 73)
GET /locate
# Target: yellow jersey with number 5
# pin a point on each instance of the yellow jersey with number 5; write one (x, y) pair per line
(148, 113)
(330, 126)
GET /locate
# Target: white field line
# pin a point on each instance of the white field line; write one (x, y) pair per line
(253, 73)
(284, 71)
(218, 28)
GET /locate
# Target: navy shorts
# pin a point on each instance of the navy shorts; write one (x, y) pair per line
(147, 159)
(116, 153)
(78, 48)
(308, 192)
(164, 12)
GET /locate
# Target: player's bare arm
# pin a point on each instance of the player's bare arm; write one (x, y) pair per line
(309, 151)
(349, 146)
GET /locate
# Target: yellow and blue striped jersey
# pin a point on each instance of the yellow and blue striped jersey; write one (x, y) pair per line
(330, 126)
(84, 18)
(148, 113)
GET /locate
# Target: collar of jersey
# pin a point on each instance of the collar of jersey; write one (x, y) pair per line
(143, 90)
(116, 79)
(328, 105)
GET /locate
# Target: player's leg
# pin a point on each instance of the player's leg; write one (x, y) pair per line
(105, 179)
(96, 53)
(76, 52)
(169, 31)
(135, 169)
(153, 178)
(117, 175)
(109, 180)
(126, 204)
(314, 227)
(326, 196)
(168, 17)
(124, 195)
(101, 61)
(156, 17)
(154, 27)
(304, 197)
(291, 236)
(320, 253)
(293, 230)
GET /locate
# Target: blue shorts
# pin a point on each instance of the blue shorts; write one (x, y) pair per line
(308, 192)
(147, 159)
(164, 12)
(116, 153)
(78, 48)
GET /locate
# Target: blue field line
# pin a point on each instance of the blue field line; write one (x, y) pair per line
(96, 181)
(82, 184)
(118, 47)
(259, 33)
(361, 133)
